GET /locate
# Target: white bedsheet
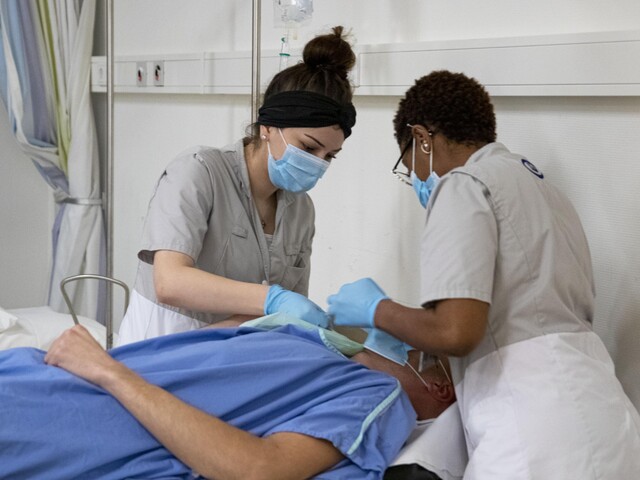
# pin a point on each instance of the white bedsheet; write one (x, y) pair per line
(39, 327)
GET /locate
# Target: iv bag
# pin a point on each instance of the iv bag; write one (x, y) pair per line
(292, 13)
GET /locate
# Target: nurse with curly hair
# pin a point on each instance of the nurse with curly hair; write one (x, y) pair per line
(507, 293)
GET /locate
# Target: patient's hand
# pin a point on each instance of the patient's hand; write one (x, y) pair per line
(79, 353)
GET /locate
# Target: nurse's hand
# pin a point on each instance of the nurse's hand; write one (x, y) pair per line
(292, 303)
(355, 303)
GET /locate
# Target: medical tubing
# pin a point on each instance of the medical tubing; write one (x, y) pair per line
(284, 51)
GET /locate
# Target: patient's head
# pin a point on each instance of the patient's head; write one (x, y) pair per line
(428, 400)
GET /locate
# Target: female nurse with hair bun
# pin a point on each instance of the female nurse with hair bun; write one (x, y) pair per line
(229, 230)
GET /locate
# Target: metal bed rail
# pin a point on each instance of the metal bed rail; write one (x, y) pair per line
(109, 319)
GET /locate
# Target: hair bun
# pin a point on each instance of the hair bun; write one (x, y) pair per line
(330, 52)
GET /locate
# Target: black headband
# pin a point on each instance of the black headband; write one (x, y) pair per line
(300, 108)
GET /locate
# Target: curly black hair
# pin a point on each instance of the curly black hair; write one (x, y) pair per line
(449, 103)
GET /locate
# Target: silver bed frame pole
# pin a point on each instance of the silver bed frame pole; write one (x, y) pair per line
(255, 61)
(108, 209)
(109, 280)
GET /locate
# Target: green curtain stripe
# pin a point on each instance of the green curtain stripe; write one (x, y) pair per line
(63, 133)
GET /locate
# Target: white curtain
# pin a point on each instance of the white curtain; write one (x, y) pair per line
(45, 64)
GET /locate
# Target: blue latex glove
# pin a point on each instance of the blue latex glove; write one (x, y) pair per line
(285, 301)
(355, 303)
(387, 345)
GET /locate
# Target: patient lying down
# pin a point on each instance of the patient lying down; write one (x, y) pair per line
(221, 403)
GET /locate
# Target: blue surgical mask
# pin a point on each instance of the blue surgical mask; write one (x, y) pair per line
(423, 188)
(297, 170)
(387, 346)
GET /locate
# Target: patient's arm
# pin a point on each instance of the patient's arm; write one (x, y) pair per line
(205, 443)
(233, 321)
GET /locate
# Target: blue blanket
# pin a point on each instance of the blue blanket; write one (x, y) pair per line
(54, 425)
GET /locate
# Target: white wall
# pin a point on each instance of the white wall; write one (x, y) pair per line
(26, 211)
(152, 26)
(367, 222)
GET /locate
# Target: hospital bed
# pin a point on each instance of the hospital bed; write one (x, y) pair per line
(39, 326)
(439, 448)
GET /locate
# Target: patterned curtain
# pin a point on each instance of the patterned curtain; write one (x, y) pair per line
(45, 64)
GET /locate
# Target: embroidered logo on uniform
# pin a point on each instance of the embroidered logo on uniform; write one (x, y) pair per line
(532, 168)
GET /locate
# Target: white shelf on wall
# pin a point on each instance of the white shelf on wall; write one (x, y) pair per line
(584, 64)
(201, 73)
(604, 63)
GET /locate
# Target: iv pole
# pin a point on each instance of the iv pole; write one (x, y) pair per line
(255, 61)
(108, 185)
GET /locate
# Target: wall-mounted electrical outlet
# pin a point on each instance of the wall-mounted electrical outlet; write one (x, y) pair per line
(141, 74)
(158, 73)
(102, 75)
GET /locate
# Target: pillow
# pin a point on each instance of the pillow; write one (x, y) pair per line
(42, 325)
(439, 446)
(7, 320)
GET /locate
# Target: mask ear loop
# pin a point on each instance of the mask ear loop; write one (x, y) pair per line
(429, 152)
(421, 366)
(413, 149)
(423, 149)
(445, 371)
(264, 137)
(283, 139)
(413, 156)
(418, 375)
(430, 158)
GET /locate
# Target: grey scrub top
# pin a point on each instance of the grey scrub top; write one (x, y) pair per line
(202, 207)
